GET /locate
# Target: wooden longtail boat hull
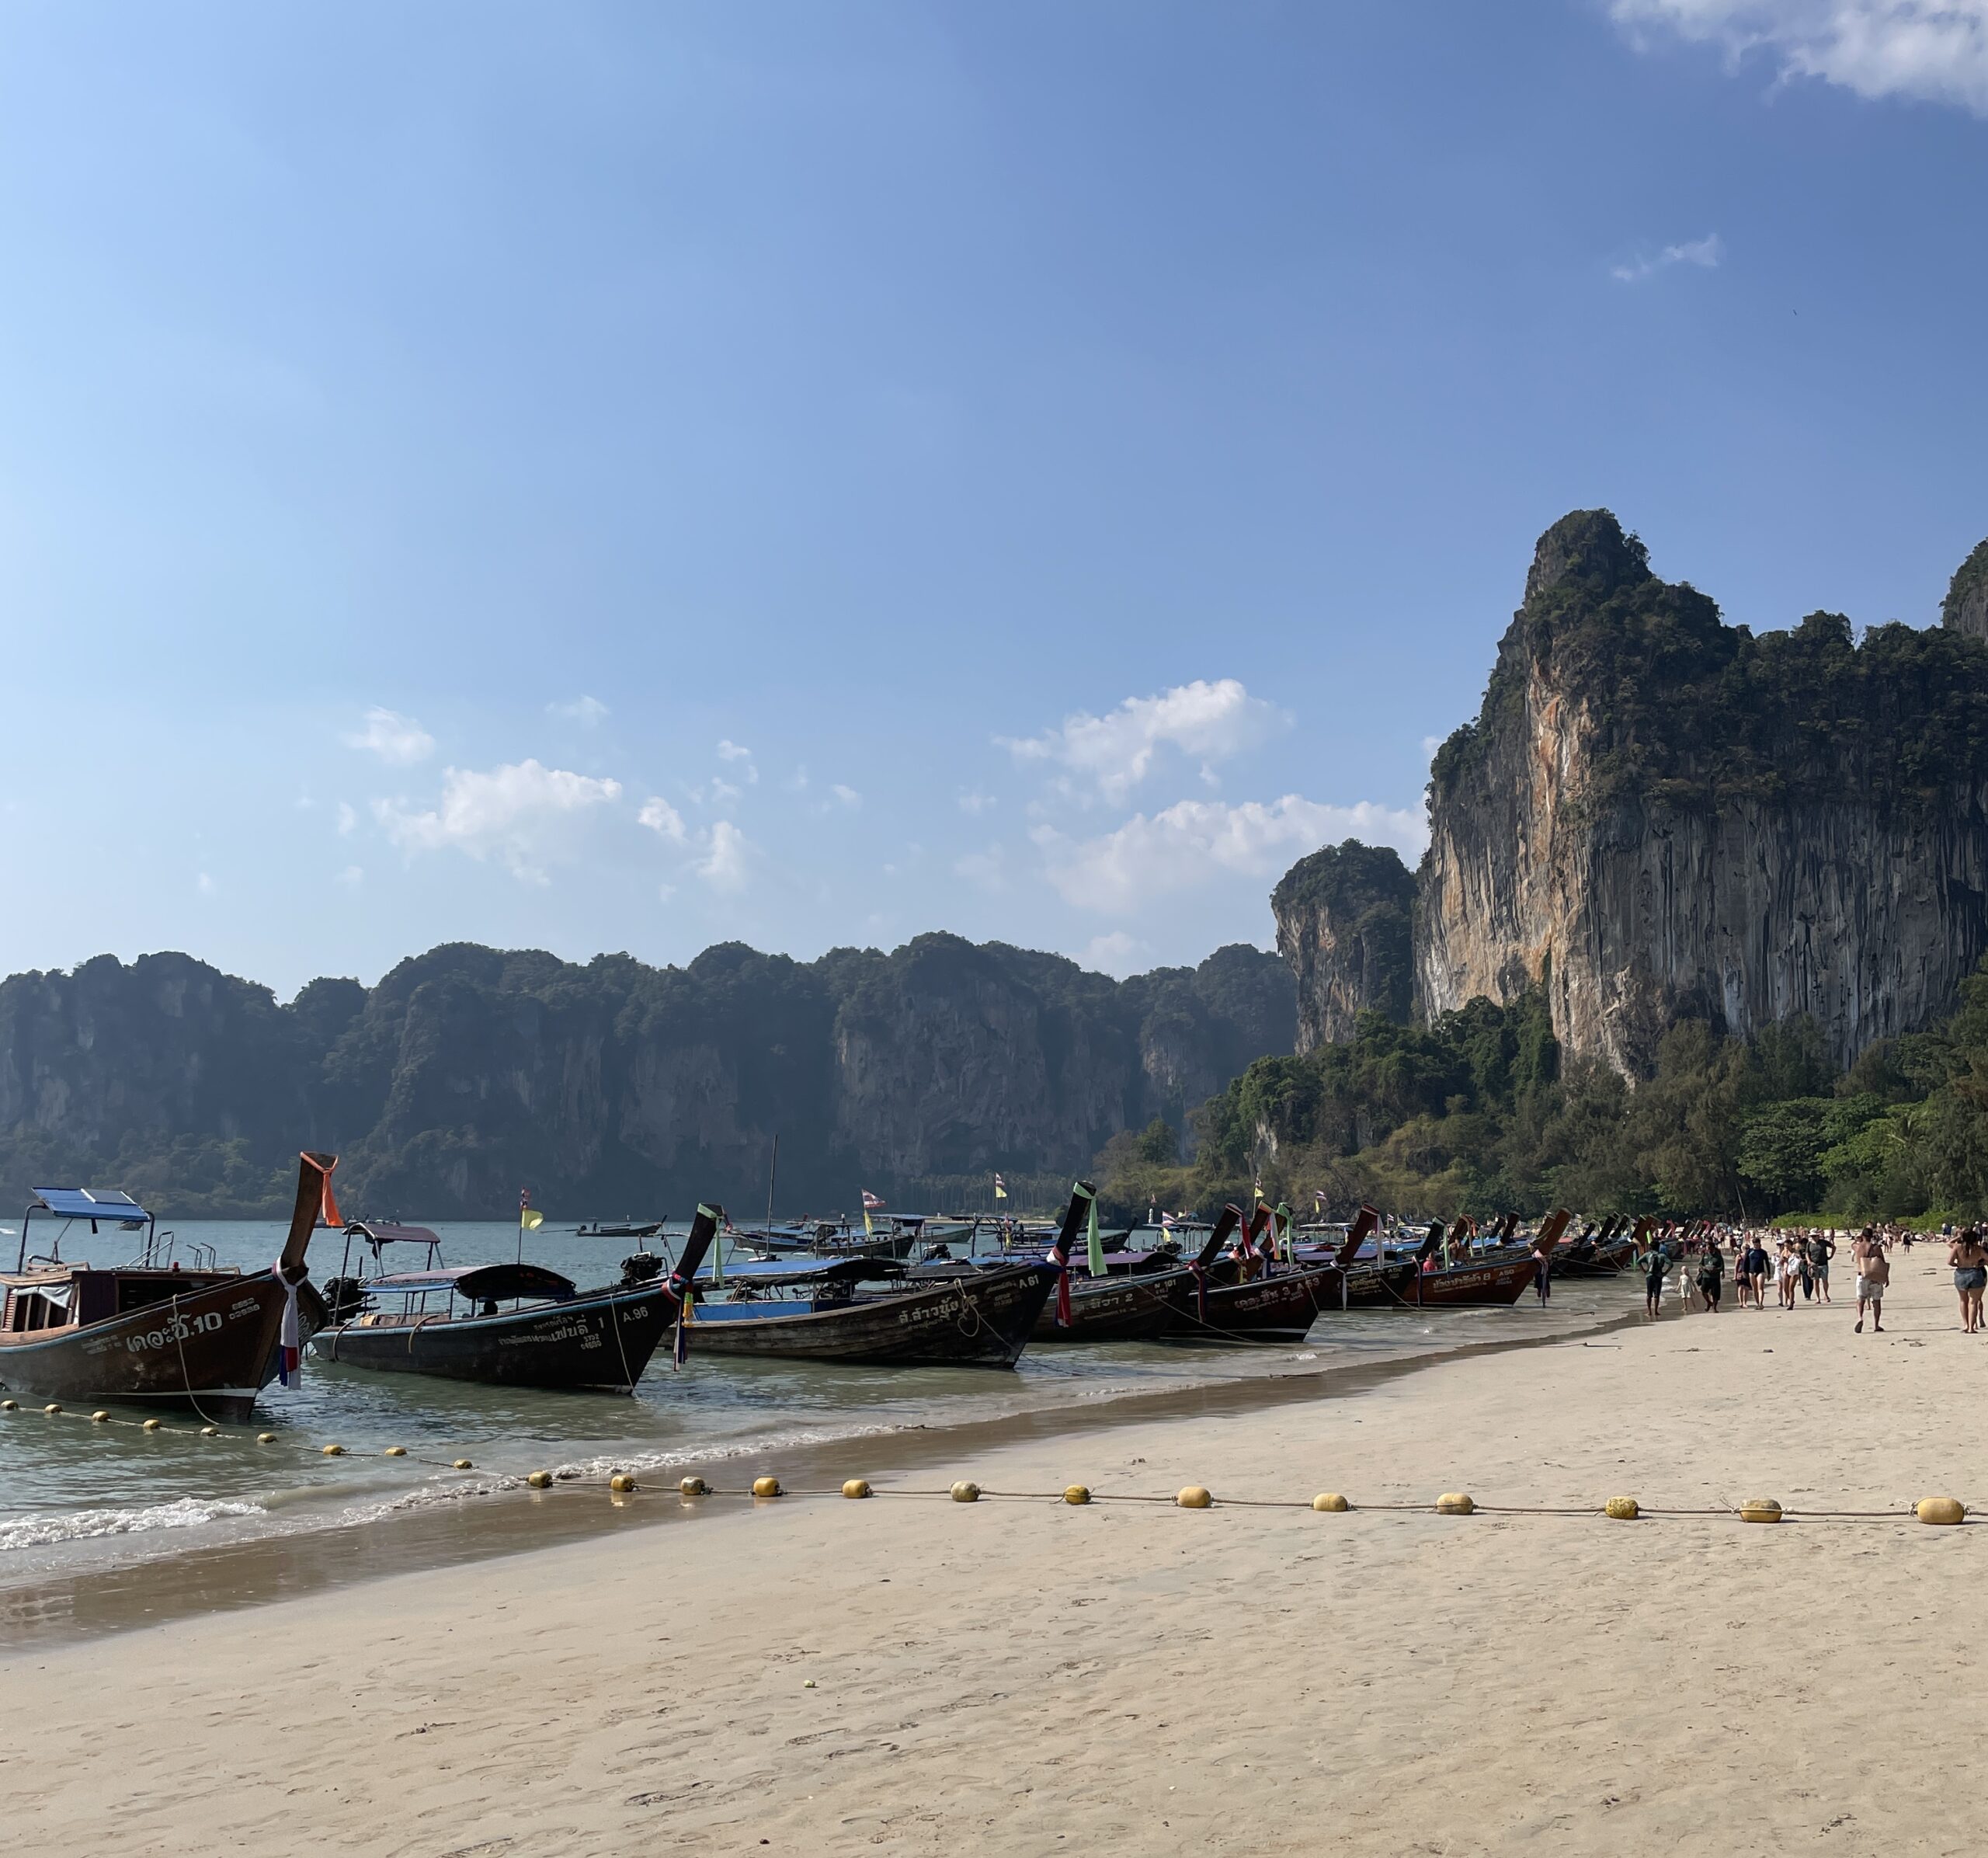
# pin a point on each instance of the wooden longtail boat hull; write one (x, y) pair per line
(210, 1351)
(1495, 1281)
(982, 1320)
(1592, 1260)
(1279, 1309)
(1117, 1309)
(603, 1340)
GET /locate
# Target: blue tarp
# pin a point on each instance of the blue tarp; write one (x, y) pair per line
(91, 1203)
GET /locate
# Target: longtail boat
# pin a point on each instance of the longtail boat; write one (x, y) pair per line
(1232, 1299)
(553, 1335)
(1138, 1302)
(833, 1310)
(1500, 1277)
(1602, 1253)
(206, 1340)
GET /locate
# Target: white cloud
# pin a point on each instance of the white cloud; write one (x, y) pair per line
(398, 740)
(988, 869)
(1196, 842)
(847, 795)
(1704, 253)
(1116, 953)
(742, 759)
(977, 803)
(725, 864)
(204, 884)
(797, 782)
(352, 877)
(664, 820)
(1933, 50)
(348, 819)
(514, 813)
(1116, 752)
(589, 712)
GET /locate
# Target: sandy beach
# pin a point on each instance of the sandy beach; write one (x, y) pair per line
(908, 1674)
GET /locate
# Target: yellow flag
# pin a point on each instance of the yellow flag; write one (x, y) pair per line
(531, 1219)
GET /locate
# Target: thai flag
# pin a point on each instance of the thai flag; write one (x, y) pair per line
(870, 1202)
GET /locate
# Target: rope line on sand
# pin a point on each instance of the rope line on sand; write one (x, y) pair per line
(623, 1485)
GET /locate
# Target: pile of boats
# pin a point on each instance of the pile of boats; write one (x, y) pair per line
(209, 1338)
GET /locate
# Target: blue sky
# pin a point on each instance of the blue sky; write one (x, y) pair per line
(629, 476)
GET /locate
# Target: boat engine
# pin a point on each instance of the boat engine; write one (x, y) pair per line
(639, 1267)
(344, 1299)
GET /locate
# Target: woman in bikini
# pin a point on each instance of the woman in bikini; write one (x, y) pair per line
(1968, 1256)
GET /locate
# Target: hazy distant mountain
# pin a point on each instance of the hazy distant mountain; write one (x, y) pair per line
(467, 1072)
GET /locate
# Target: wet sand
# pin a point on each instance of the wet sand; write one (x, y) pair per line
(908, 1673)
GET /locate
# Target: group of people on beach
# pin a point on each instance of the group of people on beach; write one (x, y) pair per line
(1801, 1260)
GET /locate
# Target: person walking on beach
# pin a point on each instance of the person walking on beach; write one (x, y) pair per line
(1874, 1272)
(1784, 1272)
(1653, 1264)
(1968, 1256)
(1757, 1269)
(1711, 1272)
(1821, 1249)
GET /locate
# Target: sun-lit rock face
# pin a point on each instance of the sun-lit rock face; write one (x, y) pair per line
(1658, 816)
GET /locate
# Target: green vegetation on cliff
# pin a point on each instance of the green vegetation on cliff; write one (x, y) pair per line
(1481, 1113)
(1692, 712)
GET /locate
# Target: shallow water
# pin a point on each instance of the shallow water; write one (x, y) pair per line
(76, 1496)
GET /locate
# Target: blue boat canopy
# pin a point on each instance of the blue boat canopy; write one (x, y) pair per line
(90, 1203)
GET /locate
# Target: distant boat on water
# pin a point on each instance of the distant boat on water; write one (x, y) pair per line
(625, 1229)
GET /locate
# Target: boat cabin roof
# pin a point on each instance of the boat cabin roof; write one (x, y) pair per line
(91, 1203)
(806, 1271)
(391, 1232)
(476, 1282)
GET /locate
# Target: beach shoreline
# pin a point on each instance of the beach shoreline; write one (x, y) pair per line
(821, 1675)
(489, 1522)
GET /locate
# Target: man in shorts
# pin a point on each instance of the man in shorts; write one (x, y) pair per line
(1822, 1248)
(1653, 1263)
(1874, 1272)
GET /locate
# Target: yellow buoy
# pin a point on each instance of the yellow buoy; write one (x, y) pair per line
(460, 1464)
(767, 1487)
(1455, 1503)
(266, 1439)
(1941, 1509)
(693, 1486)
(966, 1492)
(621, 1482)
(856, 1487)
(1330, 1500)
(1759, 1509)
(99, 1417)
(54, 1406)
(1622, 1509)
(333, 1451)
(210, 1432)
(395, 1451)
(1194, 1497)
(539, 1480)
(1076, 1493)
(152, 1425)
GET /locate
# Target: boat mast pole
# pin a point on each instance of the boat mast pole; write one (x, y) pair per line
(773, 1174)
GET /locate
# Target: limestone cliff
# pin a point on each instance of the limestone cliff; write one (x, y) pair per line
(1657, 815)
(614, 1087)
(1345, 924)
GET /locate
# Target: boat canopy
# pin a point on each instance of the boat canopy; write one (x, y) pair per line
(89, 1203)
(389, 1232)
(806, 1271)
(476, 1282)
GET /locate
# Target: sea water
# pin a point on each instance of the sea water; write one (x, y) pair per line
(76, 1496)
